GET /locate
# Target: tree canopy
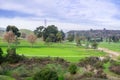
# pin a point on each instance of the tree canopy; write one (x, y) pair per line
(14, 29)
(50, 32)
(38, 31)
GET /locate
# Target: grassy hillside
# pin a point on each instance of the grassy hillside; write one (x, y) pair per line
(26, 31)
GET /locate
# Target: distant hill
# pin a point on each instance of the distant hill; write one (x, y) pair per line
(2, 30)
(27, 31)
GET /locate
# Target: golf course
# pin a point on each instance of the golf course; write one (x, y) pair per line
(67, 50)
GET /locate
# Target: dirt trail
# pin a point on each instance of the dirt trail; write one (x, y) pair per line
(111, 53)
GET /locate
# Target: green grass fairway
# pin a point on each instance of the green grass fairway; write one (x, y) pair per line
(111, 46)
(68, 51)
(71, 54)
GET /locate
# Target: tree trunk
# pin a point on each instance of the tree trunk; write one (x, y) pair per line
(8, 45)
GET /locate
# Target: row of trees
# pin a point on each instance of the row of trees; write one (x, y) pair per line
(49, 34)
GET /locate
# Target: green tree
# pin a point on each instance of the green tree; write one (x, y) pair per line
(14, 29)
(78, 41)
(59, 36)
(63, 35)
(39, 31)
(115, 38)
(16, 32)
(50, 32)
(48, 41)
(70, 37)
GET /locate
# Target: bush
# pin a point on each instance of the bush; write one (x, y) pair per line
(107, 59)
(88, 61)
(5, 68)
(100, 74)
(115, 63)
(115, 67)
(1, 57)
(94, 45)
(99, 64)
(21, 71)
(12, 57)
(73, 69)
(46, 74)
(87, 74)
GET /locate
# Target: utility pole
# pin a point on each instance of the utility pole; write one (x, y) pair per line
(45, 23)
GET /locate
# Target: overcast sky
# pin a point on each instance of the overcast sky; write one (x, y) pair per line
(65, 14)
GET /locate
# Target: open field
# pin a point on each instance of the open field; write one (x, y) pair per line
(112, 46)
(68, 51)
(72, 54)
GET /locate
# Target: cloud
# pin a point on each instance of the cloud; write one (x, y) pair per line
(68, 13)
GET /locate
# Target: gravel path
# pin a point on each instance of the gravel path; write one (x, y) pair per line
(111, 53)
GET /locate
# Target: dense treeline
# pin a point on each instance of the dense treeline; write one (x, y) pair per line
(50, 33)
(98, 35)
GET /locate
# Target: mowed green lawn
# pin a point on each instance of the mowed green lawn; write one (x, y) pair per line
(71, 54)
(112, 46)
(66, 50)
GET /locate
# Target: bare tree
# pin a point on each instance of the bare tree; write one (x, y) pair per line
(32, 39)
(9, 37)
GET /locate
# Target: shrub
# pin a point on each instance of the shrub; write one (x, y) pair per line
(12, 57)
(20, 72)
(107, 59)
(115, 69)
(100, 74)
(88, 60)
(115, 63)
(46, 74)
(99, 64)
(5, 68)
(1, 57)
(94, 45)
(87, 74)
(73, 69)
